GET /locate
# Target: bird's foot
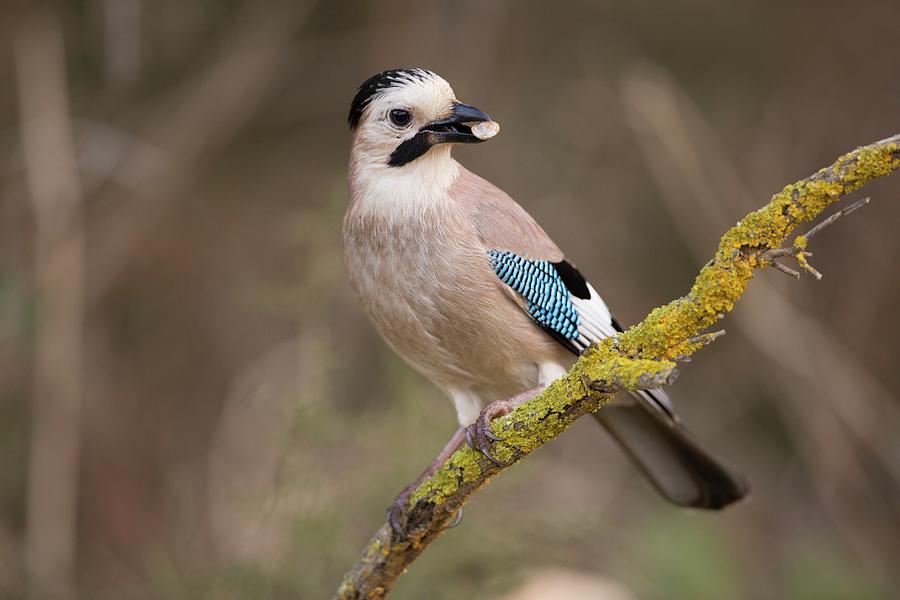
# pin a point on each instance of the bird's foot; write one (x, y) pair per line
(480, 435)
(396, 512)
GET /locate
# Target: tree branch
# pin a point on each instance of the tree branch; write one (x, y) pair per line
(639, 358)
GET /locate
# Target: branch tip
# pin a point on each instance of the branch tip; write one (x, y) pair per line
(785, 269)
(836, 216)
(705, 339)
(798, 249)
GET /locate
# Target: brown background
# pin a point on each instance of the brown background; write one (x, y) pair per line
(242, 426)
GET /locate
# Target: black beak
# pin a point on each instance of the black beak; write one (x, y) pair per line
(454, 128)
(442, 131)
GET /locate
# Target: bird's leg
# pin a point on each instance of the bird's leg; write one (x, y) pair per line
(480, 435)
(398, 507)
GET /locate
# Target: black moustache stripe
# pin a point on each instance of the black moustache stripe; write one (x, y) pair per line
(411, 149)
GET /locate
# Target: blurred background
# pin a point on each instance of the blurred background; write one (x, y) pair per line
(193, 406)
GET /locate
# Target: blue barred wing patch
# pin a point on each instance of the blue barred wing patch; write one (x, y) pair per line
(546, 296)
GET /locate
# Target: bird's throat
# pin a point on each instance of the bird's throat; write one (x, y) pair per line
(395, 195)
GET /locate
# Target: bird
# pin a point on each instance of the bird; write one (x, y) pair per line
(469, 290)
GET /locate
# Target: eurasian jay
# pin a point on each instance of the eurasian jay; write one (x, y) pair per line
(464, 285)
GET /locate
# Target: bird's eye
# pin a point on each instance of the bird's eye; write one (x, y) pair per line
(400, 117)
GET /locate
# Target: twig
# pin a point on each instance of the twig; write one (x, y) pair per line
(798, 250)
(833, 218)
(642, 351)
(704, 339)
(785, 269)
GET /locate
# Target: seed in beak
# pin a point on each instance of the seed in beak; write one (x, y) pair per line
(485, 130)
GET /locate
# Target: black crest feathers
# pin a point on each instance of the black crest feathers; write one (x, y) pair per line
(376, 84)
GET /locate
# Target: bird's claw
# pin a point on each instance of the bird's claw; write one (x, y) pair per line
(489, 434)
(457, 519)
(396, 512)
(480, 436)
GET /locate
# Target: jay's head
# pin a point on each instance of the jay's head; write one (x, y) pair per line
(399, 116)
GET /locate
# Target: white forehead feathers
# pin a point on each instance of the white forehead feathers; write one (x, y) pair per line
(424, 93)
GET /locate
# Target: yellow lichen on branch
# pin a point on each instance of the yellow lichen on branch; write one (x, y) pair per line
(640, 358)
(664, 333)
(602, 370)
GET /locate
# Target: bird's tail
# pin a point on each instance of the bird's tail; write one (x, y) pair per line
(664, 450)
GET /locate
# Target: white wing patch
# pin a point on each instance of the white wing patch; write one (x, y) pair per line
(596, 320)
(596, 324)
